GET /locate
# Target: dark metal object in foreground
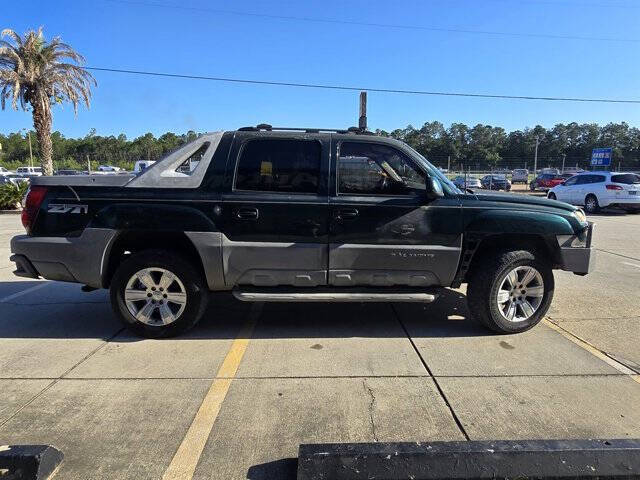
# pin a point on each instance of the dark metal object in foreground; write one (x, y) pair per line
(28, 462)
(541, 459)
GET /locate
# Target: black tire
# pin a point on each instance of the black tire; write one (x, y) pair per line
(197, 292)
(591, 204)
(485, 281)
(551, 196)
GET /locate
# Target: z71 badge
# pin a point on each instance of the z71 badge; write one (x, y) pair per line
(67, 208)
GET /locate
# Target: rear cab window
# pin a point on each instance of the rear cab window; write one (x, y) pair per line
(290, 166)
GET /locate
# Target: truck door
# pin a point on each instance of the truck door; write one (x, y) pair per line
(274, 212)
(383, 230)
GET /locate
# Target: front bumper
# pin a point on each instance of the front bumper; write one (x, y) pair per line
(579, 260)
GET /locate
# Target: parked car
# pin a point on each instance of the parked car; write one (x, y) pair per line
(28, 172)
(549, 171)
(14, 178)
(597, 190)
(67, 172)
(467, 181)
(546, 181)
(520, 175)
(142, 165)
(4, 171)
(268, 208)
(496, 182)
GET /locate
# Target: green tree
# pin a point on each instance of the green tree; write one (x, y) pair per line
(33, 72)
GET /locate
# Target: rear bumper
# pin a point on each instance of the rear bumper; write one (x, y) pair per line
(579, 260)
(68, 259)
(24, 268)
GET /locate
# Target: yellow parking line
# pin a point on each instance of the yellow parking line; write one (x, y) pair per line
(184, 462)
(593, 350)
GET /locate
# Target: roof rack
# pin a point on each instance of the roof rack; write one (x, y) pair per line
(268, 128)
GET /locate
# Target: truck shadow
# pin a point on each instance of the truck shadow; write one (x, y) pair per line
(63, 311)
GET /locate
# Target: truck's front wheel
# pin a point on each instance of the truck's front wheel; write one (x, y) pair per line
(510, 291)
(158, 294)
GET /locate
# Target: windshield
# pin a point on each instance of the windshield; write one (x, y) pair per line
(447, 184)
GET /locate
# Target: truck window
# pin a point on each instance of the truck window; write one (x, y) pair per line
(286, 166)
(190, 164)
(373, 169)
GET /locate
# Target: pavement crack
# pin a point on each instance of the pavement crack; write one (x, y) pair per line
(453, 413)
(617, 254)
(372, 405)
(61, 377)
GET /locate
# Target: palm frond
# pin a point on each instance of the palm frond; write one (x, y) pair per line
(33, 70)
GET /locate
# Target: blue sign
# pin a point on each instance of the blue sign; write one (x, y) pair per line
(601, 157)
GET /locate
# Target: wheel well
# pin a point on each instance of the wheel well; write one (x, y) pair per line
(130, 242)
(547, 247)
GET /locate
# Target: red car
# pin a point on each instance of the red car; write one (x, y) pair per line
(546, 181)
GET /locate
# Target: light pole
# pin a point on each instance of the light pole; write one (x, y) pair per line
(564, 155)
(535, 158)
(30, 149)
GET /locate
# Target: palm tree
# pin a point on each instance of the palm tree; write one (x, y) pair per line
(33, 72)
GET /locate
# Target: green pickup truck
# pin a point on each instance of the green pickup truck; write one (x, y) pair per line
(297, 215)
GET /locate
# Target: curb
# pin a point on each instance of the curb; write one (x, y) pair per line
(28, 462)
(540, 459)
(11, 212)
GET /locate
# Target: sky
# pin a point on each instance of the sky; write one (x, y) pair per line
(406, 45)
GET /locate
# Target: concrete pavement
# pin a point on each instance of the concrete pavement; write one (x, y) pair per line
(120, 407)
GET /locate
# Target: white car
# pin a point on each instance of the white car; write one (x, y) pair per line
(29, 171)
(597, 190)
(142, 165)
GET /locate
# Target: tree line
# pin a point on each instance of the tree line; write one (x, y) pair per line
(459, 146)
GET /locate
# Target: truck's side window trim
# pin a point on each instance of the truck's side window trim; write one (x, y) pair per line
(269, 166)
(401, 154)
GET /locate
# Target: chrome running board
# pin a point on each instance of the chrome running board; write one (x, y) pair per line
(271, 294)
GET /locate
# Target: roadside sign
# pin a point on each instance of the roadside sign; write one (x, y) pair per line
(601, 157)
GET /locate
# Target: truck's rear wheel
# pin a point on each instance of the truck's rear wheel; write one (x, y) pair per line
(158, 294)
(510, 291)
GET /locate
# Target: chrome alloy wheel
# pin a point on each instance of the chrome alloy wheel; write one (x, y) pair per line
(520, 293)
(591, 204)
(155, 296)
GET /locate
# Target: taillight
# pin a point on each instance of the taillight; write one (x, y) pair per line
(32, 203)
(614, 187)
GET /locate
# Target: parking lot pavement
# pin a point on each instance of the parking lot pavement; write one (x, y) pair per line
(121, 407)
(603, 308)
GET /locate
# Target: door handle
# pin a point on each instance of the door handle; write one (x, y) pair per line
(247, 213)
(347, 214)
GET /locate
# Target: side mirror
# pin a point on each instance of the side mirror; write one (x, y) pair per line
(433, 188)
